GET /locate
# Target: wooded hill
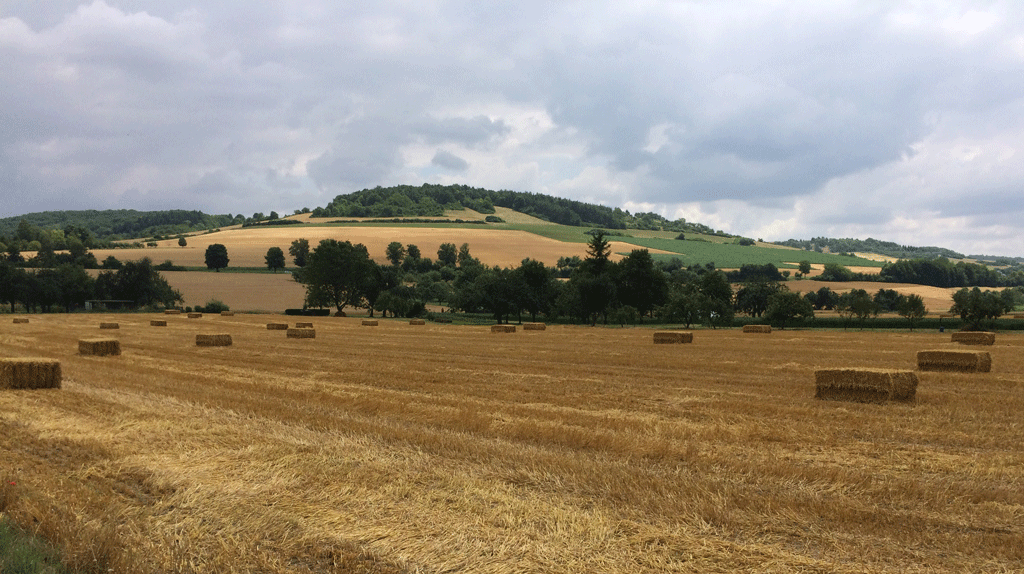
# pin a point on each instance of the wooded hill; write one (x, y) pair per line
(869, 245)
(114, 224)
(429, 200)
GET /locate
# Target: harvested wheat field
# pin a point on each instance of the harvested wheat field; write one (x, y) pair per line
(575, 449)
(247, 247)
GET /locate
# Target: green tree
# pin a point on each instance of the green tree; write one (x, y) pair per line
(599, 251)
(785, 306)
(137, 281)
(977, 308)
(299, 251)
(641, 285)
(804, 267)
(447, 255)
(717, 306)
(911, 307)
(535, 283)
(181, 241)
(395, 253)
(337, 274)
(275, 259)
(753, 297)
(857, 303)
(216, 257)
(75, 286)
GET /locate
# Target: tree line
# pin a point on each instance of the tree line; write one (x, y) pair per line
(588, 290)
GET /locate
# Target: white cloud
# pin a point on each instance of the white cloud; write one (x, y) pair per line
(900, 121)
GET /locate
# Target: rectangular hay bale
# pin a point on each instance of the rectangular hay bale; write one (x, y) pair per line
(757, 328)
(20, 320)
(954, 361)
(503, 328)
(157, 323)
(172, 311)
(974, 338)
(110, 326)
(301, 333)
(865, 385)
(277, 326)
(213, 340)
(30, 373)
(534, 326)
(303, 325)
(99, 347)
(417, 322)
(195, 315)
(369, 322)
(667, 338)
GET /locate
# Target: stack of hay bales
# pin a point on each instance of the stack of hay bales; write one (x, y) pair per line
(172, 311)
(974, 338)
(417, 322)
(99, 347)
(157, 323)
(757, 328)
(277, 326)
(668, 338)
(20, 320)
(303, 333)
(30, 373)
(369, 322)
(865, 385)
(227, 313)
(195, 315)
(503, 328)
(213, 340)
(303, 325)
(954, 361)
(534, 326)
(109, 326)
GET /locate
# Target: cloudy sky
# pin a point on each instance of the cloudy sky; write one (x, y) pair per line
(902, 121)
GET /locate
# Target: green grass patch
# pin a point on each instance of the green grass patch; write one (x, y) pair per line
(21, 553)
(237, 270)
(730, 255)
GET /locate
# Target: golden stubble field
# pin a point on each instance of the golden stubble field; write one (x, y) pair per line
(443, 448)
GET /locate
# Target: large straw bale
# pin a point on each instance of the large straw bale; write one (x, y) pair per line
(955, 361)
(670, 337)
(974, 338)
(277, 326)
(158, 323)
(369, 322)
(172, 311)
(99, 347)
(417, 322)
(865, 385)
(757, 328)
(303, 325)
(503, 328)
(534, 326)
(30, 373)
(213, 340)
(110, 326)
(195, 315)
(302, 333)
(21, 320)
(227, 313)
(1018, 316)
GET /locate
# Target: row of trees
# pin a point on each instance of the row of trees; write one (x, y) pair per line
(67, 287)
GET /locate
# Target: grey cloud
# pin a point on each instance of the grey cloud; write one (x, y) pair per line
(466, 131)
(449, 160)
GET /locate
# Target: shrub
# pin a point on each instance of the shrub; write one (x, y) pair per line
(494, 219)
(213, 306)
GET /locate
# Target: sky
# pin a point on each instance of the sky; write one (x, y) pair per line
(774, 119)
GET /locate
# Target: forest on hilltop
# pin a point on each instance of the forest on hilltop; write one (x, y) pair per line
(431, 200)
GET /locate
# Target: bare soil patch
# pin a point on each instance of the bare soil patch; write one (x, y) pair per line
(938, 300)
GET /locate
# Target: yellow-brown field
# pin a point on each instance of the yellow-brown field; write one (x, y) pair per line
(247, 247)
(449, 449)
